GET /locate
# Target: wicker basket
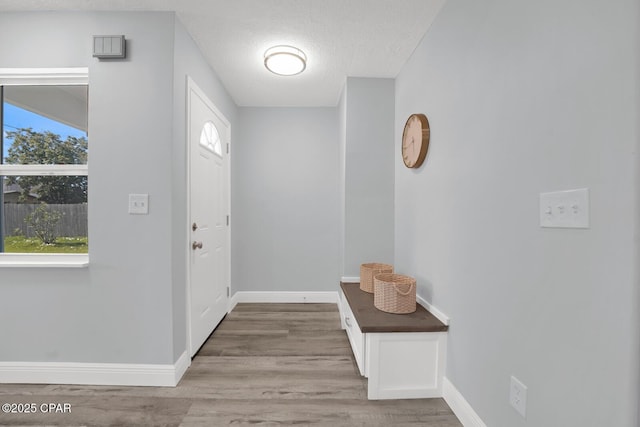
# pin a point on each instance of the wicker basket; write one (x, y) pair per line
(394, 293)
(367, 273)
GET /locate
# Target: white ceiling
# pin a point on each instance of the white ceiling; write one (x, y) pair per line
(355, 38)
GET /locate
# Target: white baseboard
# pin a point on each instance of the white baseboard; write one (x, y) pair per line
(284, 297)
(460, 406)
(121, 374)
(181, 366)
(433, 310)
(350, 279)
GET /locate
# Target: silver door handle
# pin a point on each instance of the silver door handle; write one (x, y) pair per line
(196, 245)
(347, 321)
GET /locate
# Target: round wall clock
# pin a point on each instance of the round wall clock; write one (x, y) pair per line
(415, 140)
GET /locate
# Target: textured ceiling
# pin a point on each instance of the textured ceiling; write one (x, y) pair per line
(355, 38)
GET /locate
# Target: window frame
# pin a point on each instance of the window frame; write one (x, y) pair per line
(44, 77)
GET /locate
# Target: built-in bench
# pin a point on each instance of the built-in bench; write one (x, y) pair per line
(402, 355)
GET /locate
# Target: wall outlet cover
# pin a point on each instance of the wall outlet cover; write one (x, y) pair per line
(518, 396)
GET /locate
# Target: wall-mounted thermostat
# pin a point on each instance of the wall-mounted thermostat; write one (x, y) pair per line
(109, 47)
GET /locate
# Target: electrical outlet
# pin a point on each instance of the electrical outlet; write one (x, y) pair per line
(518, 396)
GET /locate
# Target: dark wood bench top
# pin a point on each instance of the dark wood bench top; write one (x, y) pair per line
(370, 319)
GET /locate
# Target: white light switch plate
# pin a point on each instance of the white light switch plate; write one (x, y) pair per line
(138, 204)
(565, 209)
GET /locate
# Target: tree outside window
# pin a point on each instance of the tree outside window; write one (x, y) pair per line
(44, 163)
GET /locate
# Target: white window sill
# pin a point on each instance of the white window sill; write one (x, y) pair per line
(44, 260)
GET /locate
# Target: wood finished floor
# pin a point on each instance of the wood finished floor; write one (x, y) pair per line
(265, 365)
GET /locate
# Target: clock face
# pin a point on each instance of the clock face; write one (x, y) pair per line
(415, 140)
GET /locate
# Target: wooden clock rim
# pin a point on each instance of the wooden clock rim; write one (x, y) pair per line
(424, 146)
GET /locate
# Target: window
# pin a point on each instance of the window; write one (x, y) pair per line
(210, 139)
(44, 167)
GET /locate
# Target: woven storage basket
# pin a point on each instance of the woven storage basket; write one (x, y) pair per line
(394, 293)
(367, 273)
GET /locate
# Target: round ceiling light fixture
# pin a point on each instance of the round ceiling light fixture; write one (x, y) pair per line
(285, 60)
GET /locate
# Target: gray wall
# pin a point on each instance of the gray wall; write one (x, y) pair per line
(285, 200)
(367, 163)
(129, 306)
(188, 61)
(523, 98)
(118, 309)
(342, 143)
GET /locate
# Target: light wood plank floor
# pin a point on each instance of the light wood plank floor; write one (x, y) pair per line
(266, 365)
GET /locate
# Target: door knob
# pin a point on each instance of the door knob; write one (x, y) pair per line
(194, 227)
(196, 245)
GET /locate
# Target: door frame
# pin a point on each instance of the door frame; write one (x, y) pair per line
(192, 86)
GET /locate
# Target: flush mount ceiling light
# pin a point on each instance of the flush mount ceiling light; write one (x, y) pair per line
(285, 60)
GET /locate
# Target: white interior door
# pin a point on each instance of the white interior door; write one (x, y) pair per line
(208, 135)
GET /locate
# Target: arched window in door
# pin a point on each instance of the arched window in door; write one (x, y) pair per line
(210, 139)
